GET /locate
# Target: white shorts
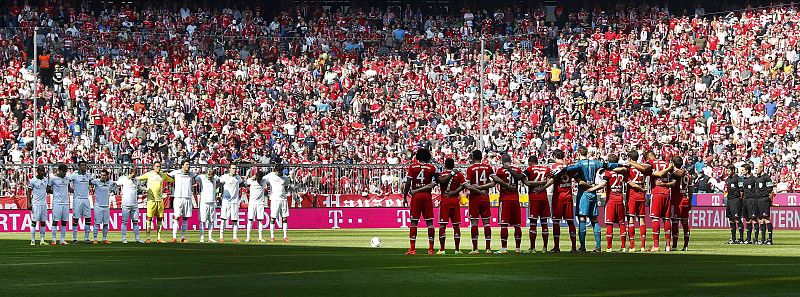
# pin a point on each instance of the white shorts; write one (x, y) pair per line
(230, 210)
(182, 207)
(208, 212)
(278, 208)
(39, 213)
(255, 211)
(81, 208)
(60, 212)
(130, 212)
(101, 215)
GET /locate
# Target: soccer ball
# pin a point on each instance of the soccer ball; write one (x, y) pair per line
(375, 242)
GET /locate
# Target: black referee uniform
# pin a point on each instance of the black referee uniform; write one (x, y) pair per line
(734, 206)
(764, 187)
(750, 210)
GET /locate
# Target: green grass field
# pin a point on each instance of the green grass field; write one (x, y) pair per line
(340, 262)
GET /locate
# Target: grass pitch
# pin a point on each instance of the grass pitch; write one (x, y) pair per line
(340, 262)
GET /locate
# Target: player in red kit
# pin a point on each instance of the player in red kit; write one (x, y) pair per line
(419, 183)
(451, 183)
(636, 191)
(614, 184)
(479, 183)
(537, 175)
(659, 198)
(680, 202)
(508, 179)
(563, 207)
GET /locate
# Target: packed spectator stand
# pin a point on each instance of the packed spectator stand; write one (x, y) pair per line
(368, 86)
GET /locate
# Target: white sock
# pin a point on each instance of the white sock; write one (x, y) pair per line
(55, 229)
(174, 228)
(96, 227)
(184, 226)
(271, 229)
(124, 230)
(136, 229)
(285, 228)
(249, 226)
(210, 230)
(235, 230)
(260, 229)
(222, 228)
(105, 232)
(87, 223)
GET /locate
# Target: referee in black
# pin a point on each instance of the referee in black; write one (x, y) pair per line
(751, 194)
(733, 186)
(765, 193)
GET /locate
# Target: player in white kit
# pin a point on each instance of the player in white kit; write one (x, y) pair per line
(81, 206)
(279, 207)
(182, 202)
(255, 207)
(130, 204)
(37, 201)
(231, 182)
(208, 202)
(58, 184)
(102, 192)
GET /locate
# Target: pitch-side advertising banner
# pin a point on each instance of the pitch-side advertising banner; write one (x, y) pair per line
(386, 217)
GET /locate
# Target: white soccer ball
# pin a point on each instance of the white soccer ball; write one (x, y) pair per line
(375, 242)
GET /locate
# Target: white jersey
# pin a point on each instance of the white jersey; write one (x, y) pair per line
(102, 191)
(60, 187)
(129, 190)
(38, 189)
(80, 184)
(230, 187)
(183, 183)
(277, 185)
(208, 188)
(256, 190)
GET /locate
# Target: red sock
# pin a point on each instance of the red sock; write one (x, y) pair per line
(571, 226)
(667, 232)
(675, 235)
(518, 236)
(545, 235)
(441, 238)
(412, 238)
(504, 237)
(623, 235)
(487, 232)
(431, 234)
(685, 225)
(631, 233)
(643, 234)
(656, 232)
(609, 235)
(473, 232)
(457, 236)
(532, 233)
(556, 235)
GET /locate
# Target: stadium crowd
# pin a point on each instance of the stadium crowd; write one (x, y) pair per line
(125, 85)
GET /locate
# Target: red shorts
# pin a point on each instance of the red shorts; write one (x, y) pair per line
(674, 203)
(510, 212)
(480, 209)
(682, 209)
(421, 206)
(449, 213)
(615, 212)
(636, 205)
(539, 209)
(659, 205)
(563, 209)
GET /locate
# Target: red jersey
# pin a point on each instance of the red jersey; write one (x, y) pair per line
(658, 165)
(615, 185)
(562, 183)
(455, 182)
(505, 193)
(420, 176)
(538, 173)
(681, 187)
(636, 176)
(478, 174)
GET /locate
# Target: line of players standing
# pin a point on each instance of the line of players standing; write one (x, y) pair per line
(626, 185)
(750, 195)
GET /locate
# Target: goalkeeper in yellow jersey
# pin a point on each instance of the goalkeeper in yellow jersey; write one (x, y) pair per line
(155, 203)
